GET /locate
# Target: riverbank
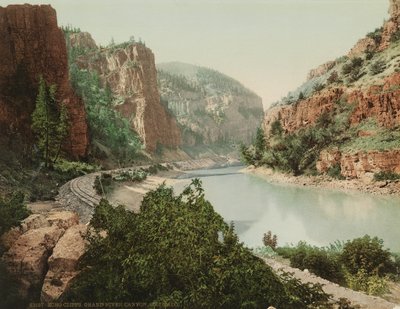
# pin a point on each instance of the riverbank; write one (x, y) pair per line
(365, 185)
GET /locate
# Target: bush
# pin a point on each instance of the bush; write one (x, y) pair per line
(318, 261)
(377, 67)
(335, 172)
(353, 66)
(376, 35)
(177, 250)
(12, 211)
(74, 169)
(9, 290)
(368, 254)
(103, 184)
(318, 87)
(386, 175)
(372, 285)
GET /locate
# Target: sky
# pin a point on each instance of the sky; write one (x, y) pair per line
(268, 45)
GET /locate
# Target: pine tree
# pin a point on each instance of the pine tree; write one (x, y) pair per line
(49, 123)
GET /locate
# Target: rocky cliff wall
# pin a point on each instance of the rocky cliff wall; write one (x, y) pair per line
(32, 45)
(129, 71)
(211, 108)
(382, 102)
(360, 164)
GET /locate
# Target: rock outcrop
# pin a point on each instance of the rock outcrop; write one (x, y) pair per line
(63, 263)
(363, 93)
(321, 70)
(305, 112)
(211, 107)
(130, 73)
(44, 251)
(31, 46)
(359, 164)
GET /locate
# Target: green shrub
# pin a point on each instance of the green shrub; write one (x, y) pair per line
(74, 169)
(335, 172)
(178, 250)
(9, 290)
(362, 281)
(12, 211)
(386, 175)
(317, 260)
(376, 35)
(368, 254)
(352, 66)
(377, 67)
(103, 184)
(318, 87)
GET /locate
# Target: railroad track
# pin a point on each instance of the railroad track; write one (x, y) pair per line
(82, 188)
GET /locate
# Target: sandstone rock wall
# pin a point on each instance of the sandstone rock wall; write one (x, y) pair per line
(44, 251)
(304, 113)
(359, 164)
(131, 75)
(32, 45)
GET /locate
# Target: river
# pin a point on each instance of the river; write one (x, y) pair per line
(318, 216)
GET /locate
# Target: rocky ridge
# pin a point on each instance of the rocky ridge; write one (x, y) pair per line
(32, 45)
(128, 70)
(210, 107)
(370, 93)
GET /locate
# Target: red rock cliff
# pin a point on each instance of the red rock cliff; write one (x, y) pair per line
(130, 73)
(32, 45)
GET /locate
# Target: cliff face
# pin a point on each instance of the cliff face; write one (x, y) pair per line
(33, 45)
(367, 81)
(129, 72)
(212, 108)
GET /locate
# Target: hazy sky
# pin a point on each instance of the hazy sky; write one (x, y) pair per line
(268, 45)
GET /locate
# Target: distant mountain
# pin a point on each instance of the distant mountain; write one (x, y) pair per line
(211, 107)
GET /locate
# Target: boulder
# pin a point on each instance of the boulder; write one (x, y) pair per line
(63, 263)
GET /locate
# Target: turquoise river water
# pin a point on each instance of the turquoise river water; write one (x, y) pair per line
(318, 216)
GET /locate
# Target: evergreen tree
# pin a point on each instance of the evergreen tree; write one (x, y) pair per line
(49, 122)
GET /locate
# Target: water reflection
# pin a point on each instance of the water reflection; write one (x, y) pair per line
(293, 213)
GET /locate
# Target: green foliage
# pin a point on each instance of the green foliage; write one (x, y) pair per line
(376, 35)
(377, 67)
(383, 139)
(12, 211)
(178, 250)
(353, 68)
(368, 254)
(301, 96)
(386, 175)
(298, 152)
(318, 87)
(320, 261)
(103, 184)
(68, 29)
(335, 172)
(276, 128)
(49, 123)
(73, 169)
(395, 37)
(106, 126)
(371, 284)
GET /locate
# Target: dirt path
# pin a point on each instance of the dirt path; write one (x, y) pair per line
(337, 292)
